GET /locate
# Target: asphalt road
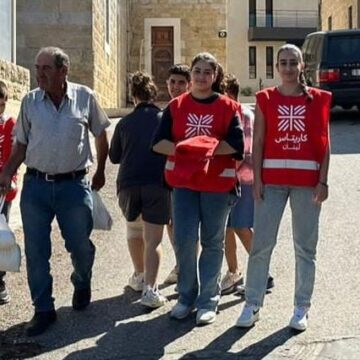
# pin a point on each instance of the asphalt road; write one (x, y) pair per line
(116, 326)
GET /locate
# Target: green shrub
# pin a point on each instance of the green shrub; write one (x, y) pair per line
(246, 91)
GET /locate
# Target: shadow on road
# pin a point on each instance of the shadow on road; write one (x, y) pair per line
(123, 328)
(218, 349)
(72, 326)
(137, 339)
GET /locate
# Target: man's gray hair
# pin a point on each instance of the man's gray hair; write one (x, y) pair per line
(60, 57)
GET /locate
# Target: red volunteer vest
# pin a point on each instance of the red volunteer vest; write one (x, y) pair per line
(190, 119)
(296, 136)
(6, 129)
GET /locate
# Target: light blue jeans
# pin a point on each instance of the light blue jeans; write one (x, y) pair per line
(305, 225)
(199, 281)
(70, 201)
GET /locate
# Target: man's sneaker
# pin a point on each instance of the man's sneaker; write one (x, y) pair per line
(240, 289)
(172, 278)
(248, 317)
(136, 281)
(181, 311)
(230, 281)
(205, 316)
(152, 298)
(4, 296)
(299, 320)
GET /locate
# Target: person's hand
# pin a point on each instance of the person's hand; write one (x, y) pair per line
(98, 180)
(258, 189)
(5, 183)
(321, 193)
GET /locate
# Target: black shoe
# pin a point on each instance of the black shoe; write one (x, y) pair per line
(240, 289)
(4, 296)
(81, 298)
(40, 322)
(270, 283)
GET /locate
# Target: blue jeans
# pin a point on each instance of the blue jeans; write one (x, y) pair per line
(191, 209)
(70, 201)
(305, 225)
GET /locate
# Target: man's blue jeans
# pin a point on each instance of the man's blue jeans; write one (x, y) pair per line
(200, 287)
(305, 225)
(70, 201)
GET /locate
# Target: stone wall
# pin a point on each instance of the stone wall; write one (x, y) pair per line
(338, 10)
(17, 80)
(200, 21)
(63, 23)
(78, 27)
(105, 53)
(123, 44)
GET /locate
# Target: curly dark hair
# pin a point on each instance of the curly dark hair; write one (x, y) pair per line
(180, 69)
(143, 87)
(231, 85)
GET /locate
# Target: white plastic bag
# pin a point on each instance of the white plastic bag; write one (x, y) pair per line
(101, 217)
(10, 259)
(7, 237)
(10, 255)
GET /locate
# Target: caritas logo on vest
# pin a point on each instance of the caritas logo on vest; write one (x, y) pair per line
(198, 125)
(291, 119)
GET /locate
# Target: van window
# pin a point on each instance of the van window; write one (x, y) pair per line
(343, 49)
(313, 51)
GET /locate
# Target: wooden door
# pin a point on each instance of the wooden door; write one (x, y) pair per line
(162, 57)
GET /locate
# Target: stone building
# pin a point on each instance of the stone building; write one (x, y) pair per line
(164, 32)
(340, 14)
(107, 40)
(243, 34)
(88, 30)
(15, 77)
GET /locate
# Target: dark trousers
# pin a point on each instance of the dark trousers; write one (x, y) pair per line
(6, 212)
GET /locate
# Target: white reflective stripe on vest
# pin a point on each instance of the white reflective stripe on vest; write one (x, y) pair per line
(169, 165)
(226, 172)
(290, 164)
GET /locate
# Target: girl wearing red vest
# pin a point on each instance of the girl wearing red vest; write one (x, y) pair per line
(201, 133)
(291, 160)
(7, 124)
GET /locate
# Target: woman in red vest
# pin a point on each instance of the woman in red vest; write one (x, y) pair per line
(201, 133)
(291, 159)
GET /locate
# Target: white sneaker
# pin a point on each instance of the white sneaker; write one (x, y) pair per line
(152, 298)
(229, 282)
(205, 316)
(136, 281)
(248, 317)
(299, 321)
(172, 278)
(181, 311)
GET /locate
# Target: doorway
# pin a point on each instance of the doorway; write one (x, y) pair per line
(162, 57)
